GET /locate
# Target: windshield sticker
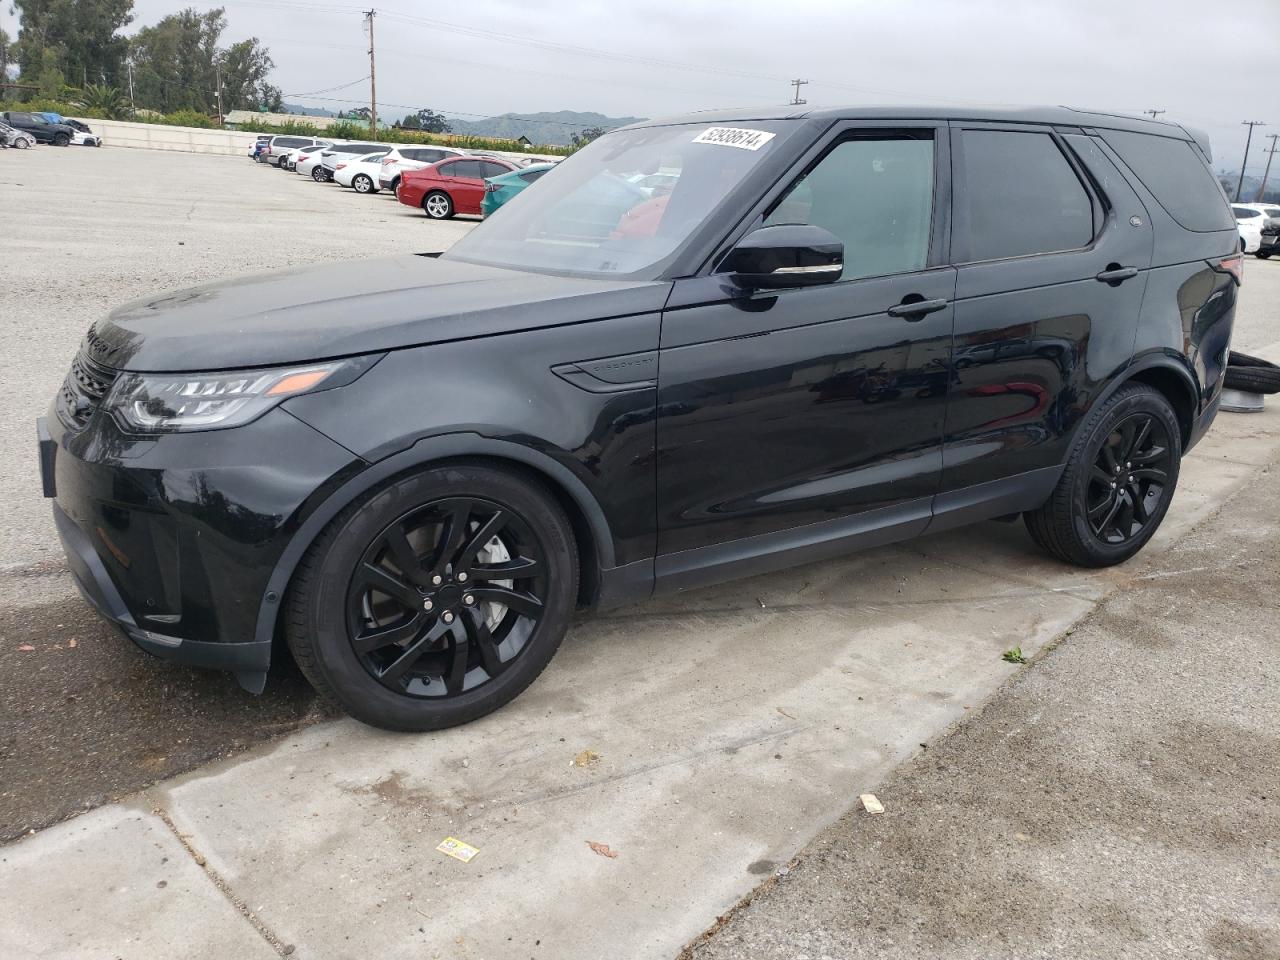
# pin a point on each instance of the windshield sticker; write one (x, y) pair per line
(735, 137)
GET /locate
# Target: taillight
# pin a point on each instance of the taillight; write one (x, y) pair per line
(339, 166)
(1233, 265)
(388, 160)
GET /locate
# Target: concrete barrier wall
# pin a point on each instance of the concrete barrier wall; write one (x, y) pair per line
(158, 136)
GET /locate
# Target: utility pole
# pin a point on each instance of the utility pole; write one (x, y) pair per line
(1250, 124)
(1155, 113)
(1266, 173)
(796, 101)
(218, 92)
(373, 79)
(132, 105)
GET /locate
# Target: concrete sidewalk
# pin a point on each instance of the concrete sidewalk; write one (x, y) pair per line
(732, 725)
(1119, 798)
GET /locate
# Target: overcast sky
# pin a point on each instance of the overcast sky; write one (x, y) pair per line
(1189, 57)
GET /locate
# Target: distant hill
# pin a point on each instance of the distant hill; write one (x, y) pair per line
(549, 128)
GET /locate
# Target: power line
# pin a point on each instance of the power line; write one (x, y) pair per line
(341, 86)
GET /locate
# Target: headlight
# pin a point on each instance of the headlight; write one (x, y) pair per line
(168, 402)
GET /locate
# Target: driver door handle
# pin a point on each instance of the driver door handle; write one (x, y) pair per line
(916, 310)
(1117, 275)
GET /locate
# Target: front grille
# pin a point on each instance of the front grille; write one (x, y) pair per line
(83, 390)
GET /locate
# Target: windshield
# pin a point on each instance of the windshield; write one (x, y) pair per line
(625, 203)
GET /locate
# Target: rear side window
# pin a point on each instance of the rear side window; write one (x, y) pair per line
(1175, 173)
(492, 169)
(531, 175)
(463, 168)
(1273, 211)
(1018, 196)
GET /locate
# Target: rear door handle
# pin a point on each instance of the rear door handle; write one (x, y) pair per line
(915, 310)
(1117, 275)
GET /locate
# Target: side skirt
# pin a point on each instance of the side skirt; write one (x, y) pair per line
(750, 556)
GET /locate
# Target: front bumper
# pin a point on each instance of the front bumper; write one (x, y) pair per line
(174, 538)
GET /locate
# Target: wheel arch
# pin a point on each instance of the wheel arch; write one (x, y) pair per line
(1171, 378)
(590, 527)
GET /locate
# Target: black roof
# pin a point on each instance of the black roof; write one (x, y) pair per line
(1058, 116)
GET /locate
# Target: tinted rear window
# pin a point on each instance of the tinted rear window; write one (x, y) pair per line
(1019, 196)
(1244, 213)
(1175, 172)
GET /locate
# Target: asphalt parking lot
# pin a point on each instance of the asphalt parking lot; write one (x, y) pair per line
(729, 726)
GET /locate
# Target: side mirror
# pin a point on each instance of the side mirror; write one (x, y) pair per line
(787, 255)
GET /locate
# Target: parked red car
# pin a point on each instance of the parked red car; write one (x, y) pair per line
(451, 186)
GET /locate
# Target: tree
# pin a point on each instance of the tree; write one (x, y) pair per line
(579, 140)
(103, 101)
(177, 64)
(356, 113)
(81, 35)
(426, 120)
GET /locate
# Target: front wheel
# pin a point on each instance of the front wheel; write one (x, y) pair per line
(1263, 254)
(438, 205)
(435, 600)
(1117, 484)
(362, 183)
(21, 143)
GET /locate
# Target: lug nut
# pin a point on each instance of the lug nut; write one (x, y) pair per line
(437, 580)
(462, 577)
(427, 605)
(468, 599)
(448, 617)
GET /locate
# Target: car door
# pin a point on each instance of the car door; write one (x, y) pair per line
(1052, 248)
(466, 185)
(790, 421)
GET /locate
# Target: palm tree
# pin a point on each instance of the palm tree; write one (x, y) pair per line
(104, 101)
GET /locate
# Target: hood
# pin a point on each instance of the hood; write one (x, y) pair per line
(343, 309)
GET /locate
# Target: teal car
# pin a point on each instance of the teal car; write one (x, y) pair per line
(498, 190)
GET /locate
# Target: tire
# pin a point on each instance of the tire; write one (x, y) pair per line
(395, 188)
(21, 144)
(1235, 359)
(1243, 245)
(1263, 254)
(61, 140)
(437, 205)
(1129, 508)
(455, 676)
(363, 184)
(317, 173)
(1252, 379)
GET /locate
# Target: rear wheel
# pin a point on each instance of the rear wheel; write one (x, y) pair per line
(61, 140)
(1263, 254)
(362, 183)
(317, 174)
(437, 599)
(1117, 484)
(438, 205)
(21, 143)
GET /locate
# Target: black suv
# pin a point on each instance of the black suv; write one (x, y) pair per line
(59, 134)
(837, 329)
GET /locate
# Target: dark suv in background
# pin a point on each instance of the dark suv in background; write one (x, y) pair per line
(836, 329)
(58, 134)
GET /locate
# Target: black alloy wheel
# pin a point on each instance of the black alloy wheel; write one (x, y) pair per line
(1129, 477)
(435, 599)
(446, 597)
(1117, 482)
(61, 140)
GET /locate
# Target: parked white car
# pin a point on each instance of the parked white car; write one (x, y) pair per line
(360, 173)
(307, 164)
(1250, 223)
(341, 152)
(278, 146)
(290, 159)
(81, 134)
(401, 159)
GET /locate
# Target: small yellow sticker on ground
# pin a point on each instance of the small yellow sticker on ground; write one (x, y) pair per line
(453, 847)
